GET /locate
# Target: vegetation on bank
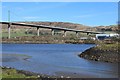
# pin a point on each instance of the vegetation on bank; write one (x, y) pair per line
(103, 52)
(13, 73)
(46, 39)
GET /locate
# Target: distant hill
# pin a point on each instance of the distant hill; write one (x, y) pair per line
(57, 24)
(63, 25)
(113, 28)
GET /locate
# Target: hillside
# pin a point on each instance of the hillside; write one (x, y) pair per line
(113, 28)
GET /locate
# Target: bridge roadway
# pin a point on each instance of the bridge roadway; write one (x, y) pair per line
(48, 27)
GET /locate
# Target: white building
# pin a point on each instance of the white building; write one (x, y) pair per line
(103, 36)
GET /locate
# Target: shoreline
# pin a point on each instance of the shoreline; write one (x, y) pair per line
(95, 53)
(33, 75)
(29, 74)
(28, 43)
(57, 75)
(44, 43)
(40, 43)
(47, 40)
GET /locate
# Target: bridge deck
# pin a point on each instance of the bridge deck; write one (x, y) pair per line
(50, 27)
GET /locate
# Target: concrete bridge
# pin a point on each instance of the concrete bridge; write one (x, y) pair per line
(53, 28)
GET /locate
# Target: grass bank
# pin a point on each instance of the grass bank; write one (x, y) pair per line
(13, 74)
(103, 52)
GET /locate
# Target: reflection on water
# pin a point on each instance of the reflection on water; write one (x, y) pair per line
(54, 58)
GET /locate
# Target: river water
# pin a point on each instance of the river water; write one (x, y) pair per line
(56, 59)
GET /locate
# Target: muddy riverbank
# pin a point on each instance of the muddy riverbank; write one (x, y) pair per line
(14, 74)
(102, 52)
(8, 72)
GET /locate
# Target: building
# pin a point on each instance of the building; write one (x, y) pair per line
(104, 36)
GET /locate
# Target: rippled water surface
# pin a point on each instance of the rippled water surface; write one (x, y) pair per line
(55, 58)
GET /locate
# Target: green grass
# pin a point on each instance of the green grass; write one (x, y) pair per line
(21, 32)
(15, 33)
(108, 46)
(12, 73)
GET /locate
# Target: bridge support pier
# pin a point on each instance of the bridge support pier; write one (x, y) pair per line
(38, 32)
(64, 35)
(87, 33)
(9, 31)
(77, 34)
(52, 30)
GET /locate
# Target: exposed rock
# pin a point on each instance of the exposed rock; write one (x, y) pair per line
(97, 54)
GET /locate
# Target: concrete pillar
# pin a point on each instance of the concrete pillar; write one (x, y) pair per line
(64, 35)
(9, 31)
(52, 30)
(87, 33)
(76, 34)
(38, 32)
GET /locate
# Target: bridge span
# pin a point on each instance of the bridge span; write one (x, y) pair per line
(47, 27)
